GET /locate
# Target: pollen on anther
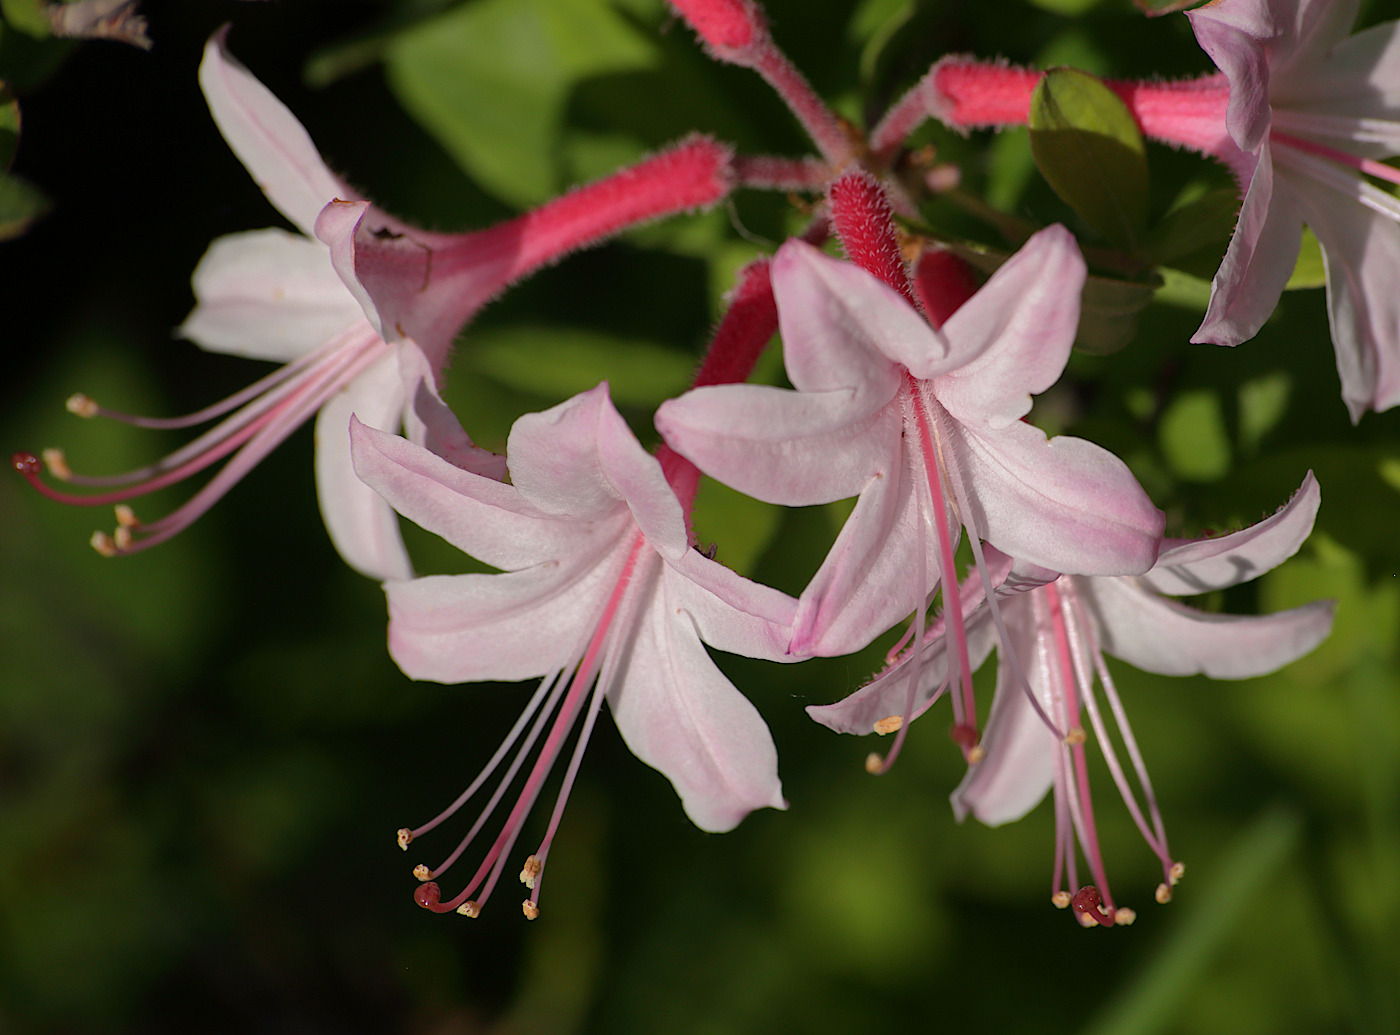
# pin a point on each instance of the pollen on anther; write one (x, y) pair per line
(1177, 871)
(530, 910)
(975, 754)
(1163, 895)
(405, 837)
(470, 908)
(1061, 899)
(1086, 921)
(1124, 917)
(122, 538)
(126, 517)
(57, 463)
(531, 871)
(82, 406)
(889, 724)
(874, 764)
(103, 544)
(1076, 735)
(422, 872)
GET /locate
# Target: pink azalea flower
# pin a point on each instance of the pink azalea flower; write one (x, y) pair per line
(1059, 632)
(925, 426)
(1313, 107)
(602, 594)
(1300, 114)
(325, 302)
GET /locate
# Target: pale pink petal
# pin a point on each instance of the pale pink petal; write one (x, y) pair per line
(843, 328)
(1236, 36)
(1063, 504)
(516, 625)
(267, 294)
(1361, 251)
(1312, 34)
(335, 226)
(680, 715)
(430, 423)
(733, 614)
(1016, 331)
(478, 515)
(870, 578)
(1201, 565)
(1358, 81)
(363, 527)
(636, 476)
(1019, 765)
(788, 448)
(1258, 263)
(1160, 635)
(267, 138)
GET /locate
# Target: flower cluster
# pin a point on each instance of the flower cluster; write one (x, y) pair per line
(912, 364)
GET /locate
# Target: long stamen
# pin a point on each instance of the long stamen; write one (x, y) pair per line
(1081, 651)
(1081, 802)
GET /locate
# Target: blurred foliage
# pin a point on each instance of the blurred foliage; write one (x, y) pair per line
(205, 750)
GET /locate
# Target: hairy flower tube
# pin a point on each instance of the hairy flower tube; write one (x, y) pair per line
(325, 302)
(924, 426)
(1059, 631)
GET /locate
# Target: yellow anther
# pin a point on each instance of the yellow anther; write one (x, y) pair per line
(1177, 871)
(102, 543)
(889, 724)
(422, 872)
(874, 764)
(1124, 917)
(1061, 899)
(80, 405)
(405, 836)
(1085, 920)
(531, 871)
(1076, 735)
(470, 908)
(57, 463)
(530, 910)
(1163, 895)
(123, 539)
(975, 754)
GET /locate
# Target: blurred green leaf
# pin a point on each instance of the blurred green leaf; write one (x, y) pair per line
(9, 127)
(1157, 8)
(20, 205)
(561, 361)
(1109, 311)
(27, 16)
(491, 81)
(1194, 438)
(1151, 1002)
(1309, 271)
(1087, 146)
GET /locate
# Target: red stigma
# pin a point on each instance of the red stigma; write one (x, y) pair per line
(428, 895)
(26, 464)
(1088, 902)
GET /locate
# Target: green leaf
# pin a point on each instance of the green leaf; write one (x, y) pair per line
(20, 205)
(27, 16)
(563, 361)
(491, 81)
(1089, 150)
(9, 127)
(1193, 236)
(1157, 8)
(1309, 271)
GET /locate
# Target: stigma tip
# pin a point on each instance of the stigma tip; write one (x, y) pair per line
(427, 895)
(26, 464)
